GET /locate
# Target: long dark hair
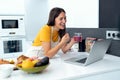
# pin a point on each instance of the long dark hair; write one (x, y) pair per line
(51, 21)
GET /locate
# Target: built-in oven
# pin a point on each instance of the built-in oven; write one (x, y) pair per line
(12, 46)
(12, 36)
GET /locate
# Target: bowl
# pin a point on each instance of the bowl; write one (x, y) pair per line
(34, 69)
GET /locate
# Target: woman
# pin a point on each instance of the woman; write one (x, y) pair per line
(52, 36)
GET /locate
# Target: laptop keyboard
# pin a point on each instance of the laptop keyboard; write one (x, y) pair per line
(82, 60)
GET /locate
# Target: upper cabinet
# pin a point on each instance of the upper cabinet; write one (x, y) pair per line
(109, 13)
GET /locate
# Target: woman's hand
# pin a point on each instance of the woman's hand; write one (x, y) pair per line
(65, 38)
(67, 47)
(73, 41)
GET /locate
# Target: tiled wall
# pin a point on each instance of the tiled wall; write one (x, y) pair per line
(98, 33)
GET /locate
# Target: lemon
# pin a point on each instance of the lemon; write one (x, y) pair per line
(35, 61)
(11, 61)
(27, 64)
(19, 65)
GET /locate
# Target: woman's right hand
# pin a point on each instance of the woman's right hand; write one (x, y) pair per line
(65, 38)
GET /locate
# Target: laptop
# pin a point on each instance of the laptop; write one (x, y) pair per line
(96, 53)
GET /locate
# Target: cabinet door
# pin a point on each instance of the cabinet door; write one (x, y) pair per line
(109, 13)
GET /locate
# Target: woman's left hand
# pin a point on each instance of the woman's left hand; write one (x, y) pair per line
(73, 41)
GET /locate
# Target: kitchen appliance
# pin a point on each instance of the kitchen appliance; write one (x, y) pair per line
(12, 46)
(12, 25)
(12, 36)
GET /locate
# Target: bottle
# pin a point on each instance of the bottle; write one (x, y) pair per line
(81, 43)
(81, 46)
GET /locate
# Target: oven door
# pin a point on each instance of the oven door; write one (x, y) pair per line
(12, 47)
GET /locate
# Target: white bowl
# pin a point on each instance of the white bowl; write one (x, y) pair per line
(6, 70)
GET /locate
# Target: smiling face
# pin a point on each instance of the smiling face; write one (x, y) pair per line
(57, 19)
(60, 21)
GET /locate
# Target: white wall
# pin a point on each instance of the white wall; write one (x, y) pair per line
(80, 13)
(36, 16)
(12, 7)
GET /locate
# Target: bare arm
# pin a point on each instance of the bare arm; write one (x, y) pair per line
(50, 52)
(66, 47)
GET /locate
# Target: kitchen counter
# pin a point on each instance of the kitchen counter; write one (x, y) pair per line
(60, 70)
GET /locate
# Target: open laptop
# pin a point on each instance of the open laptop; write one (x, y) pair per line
(96, 53)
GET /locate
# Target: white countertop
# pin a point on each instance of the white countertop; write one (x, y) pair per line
(60, 70)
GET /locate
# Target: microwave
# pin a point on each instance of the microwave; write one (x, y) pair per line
(12, 25)
(12, 47)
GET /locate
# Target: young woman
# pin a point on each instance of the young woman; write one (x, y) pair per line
(52, 37)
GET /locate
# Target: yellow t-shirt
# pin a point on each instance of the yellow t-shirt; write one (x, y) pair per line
(44, 35)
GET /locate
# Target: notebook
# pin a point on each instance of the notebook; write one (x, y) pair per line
(96, 53)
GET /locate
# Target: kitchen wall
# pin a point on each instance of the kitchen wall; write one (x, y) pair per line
(98, 33)
(109, 17)
(80, 13)
(12, 7)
